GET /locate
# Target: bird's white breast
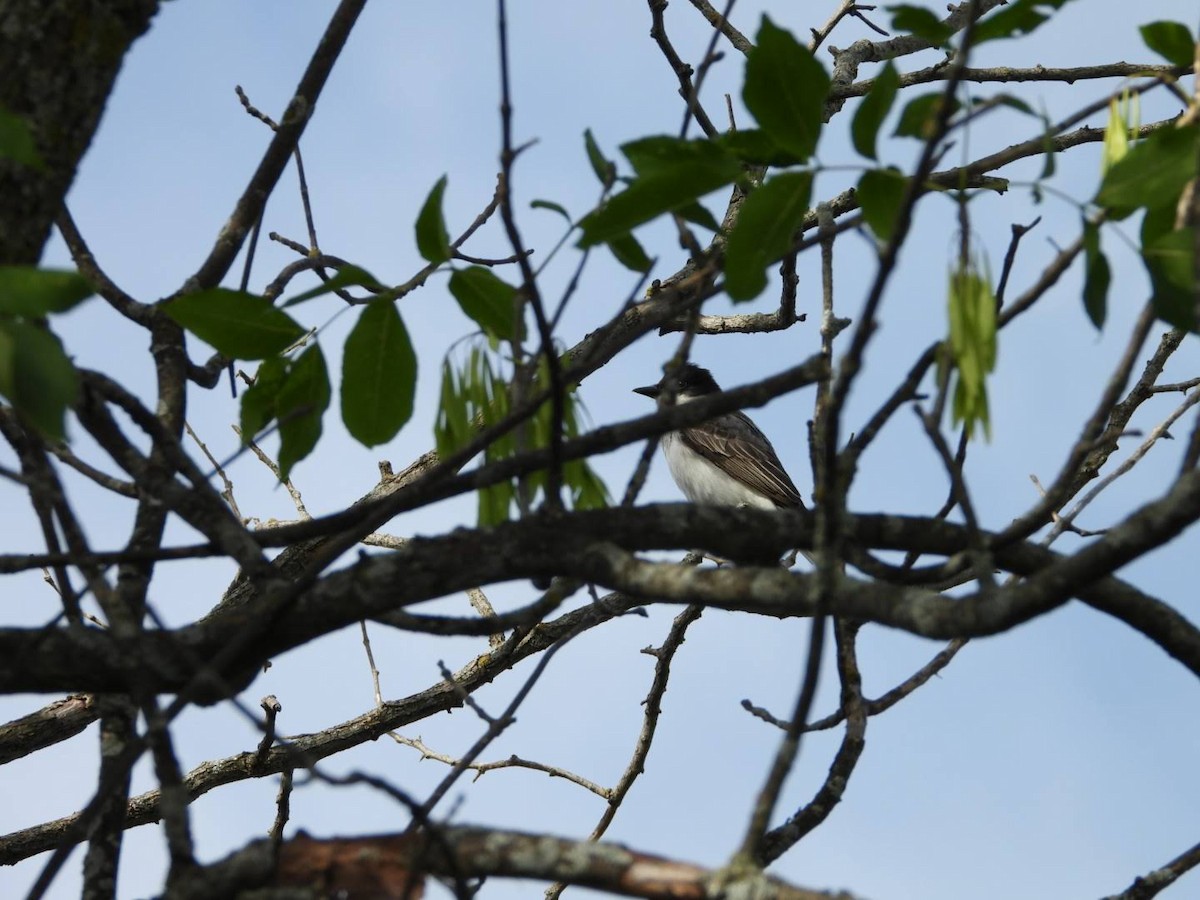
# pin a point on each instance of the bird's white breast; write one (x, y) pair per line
(703, 482)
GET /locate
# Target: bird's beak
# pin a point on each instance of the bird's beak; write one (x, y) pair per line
(650, 390)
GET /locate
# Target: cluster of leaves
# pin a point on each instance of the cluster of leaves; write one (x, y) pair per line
(972, 343)
(1152, 177)
(36, 375)
(1018, 17)
(379, 365)
(785, 89)
(379, 368)
(476, 395)
(292, 386)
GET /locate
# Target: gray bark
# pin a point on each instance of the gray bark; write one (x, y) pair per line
(58, 62)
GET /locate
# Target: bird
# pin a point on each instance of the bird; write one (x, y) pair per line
(725, 461)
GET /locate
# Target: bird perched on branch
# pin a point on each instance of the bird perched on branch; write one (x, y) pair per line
(725, 461)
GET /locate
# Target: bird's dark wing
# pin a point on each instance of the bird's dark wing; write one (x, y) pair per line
(735, 445)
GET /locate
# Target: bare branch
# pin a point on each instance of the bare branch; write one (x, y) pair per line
(57, 722)
(1153, 883)
(464, 852)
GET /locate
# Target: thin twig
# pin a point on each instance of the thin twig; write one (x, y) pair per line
(789, 748)
(513, 762)
(366, 642)
(845, 8)
(283, 806)
(878, 705)
(653, 709)
(266, 460)
(272, 707)
(779, 840)
(683, 72)
(496, 727)
(1159, 431)
(721, 22)
(227, 493)
(552, 489)
(480, 603)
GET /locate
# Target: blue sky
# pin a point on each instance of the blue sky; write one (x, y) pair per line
(1054, 760)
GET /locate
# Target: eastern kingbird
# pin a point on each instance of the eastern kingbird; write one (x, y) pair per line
(725, 461)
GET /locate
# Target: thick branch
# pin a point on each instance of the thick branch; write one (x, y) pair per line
(58, 62)
(464, 852)
(60, 720)
(307, 749)
(582, 545)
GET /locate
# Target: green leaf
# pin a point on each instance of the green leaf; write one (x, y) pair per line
(239, 325)
(476, 392)
(755, 147)
(1158, 221)
(1021, 17)
(1011, 102)
(452, 423)
(1170, 40)
(1152, 173)
(697, 213)
(1116, 137)
(259, 400)
(588, 491)
(379, 375)
(920, 115)
(37, 376)
(1048, 151)
(880, 192)
(473, 392)
(605, 169)
(920, 21)
(302, 398)
(972, 314)
(16, 141)
(295, 393)
(495, 502)
(874, 109)
(486, 299)
(629, 253)
(763, 232)
(346, 277)
(660, 153)
(785, 89)
(553, 207)
(29, 291)
(663, 155)
(1171, 261)
(1097, 275)
(433, 240)
(694, 169)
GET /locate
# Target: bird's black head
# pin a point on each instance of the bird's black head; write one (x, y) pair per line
(689, 382)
